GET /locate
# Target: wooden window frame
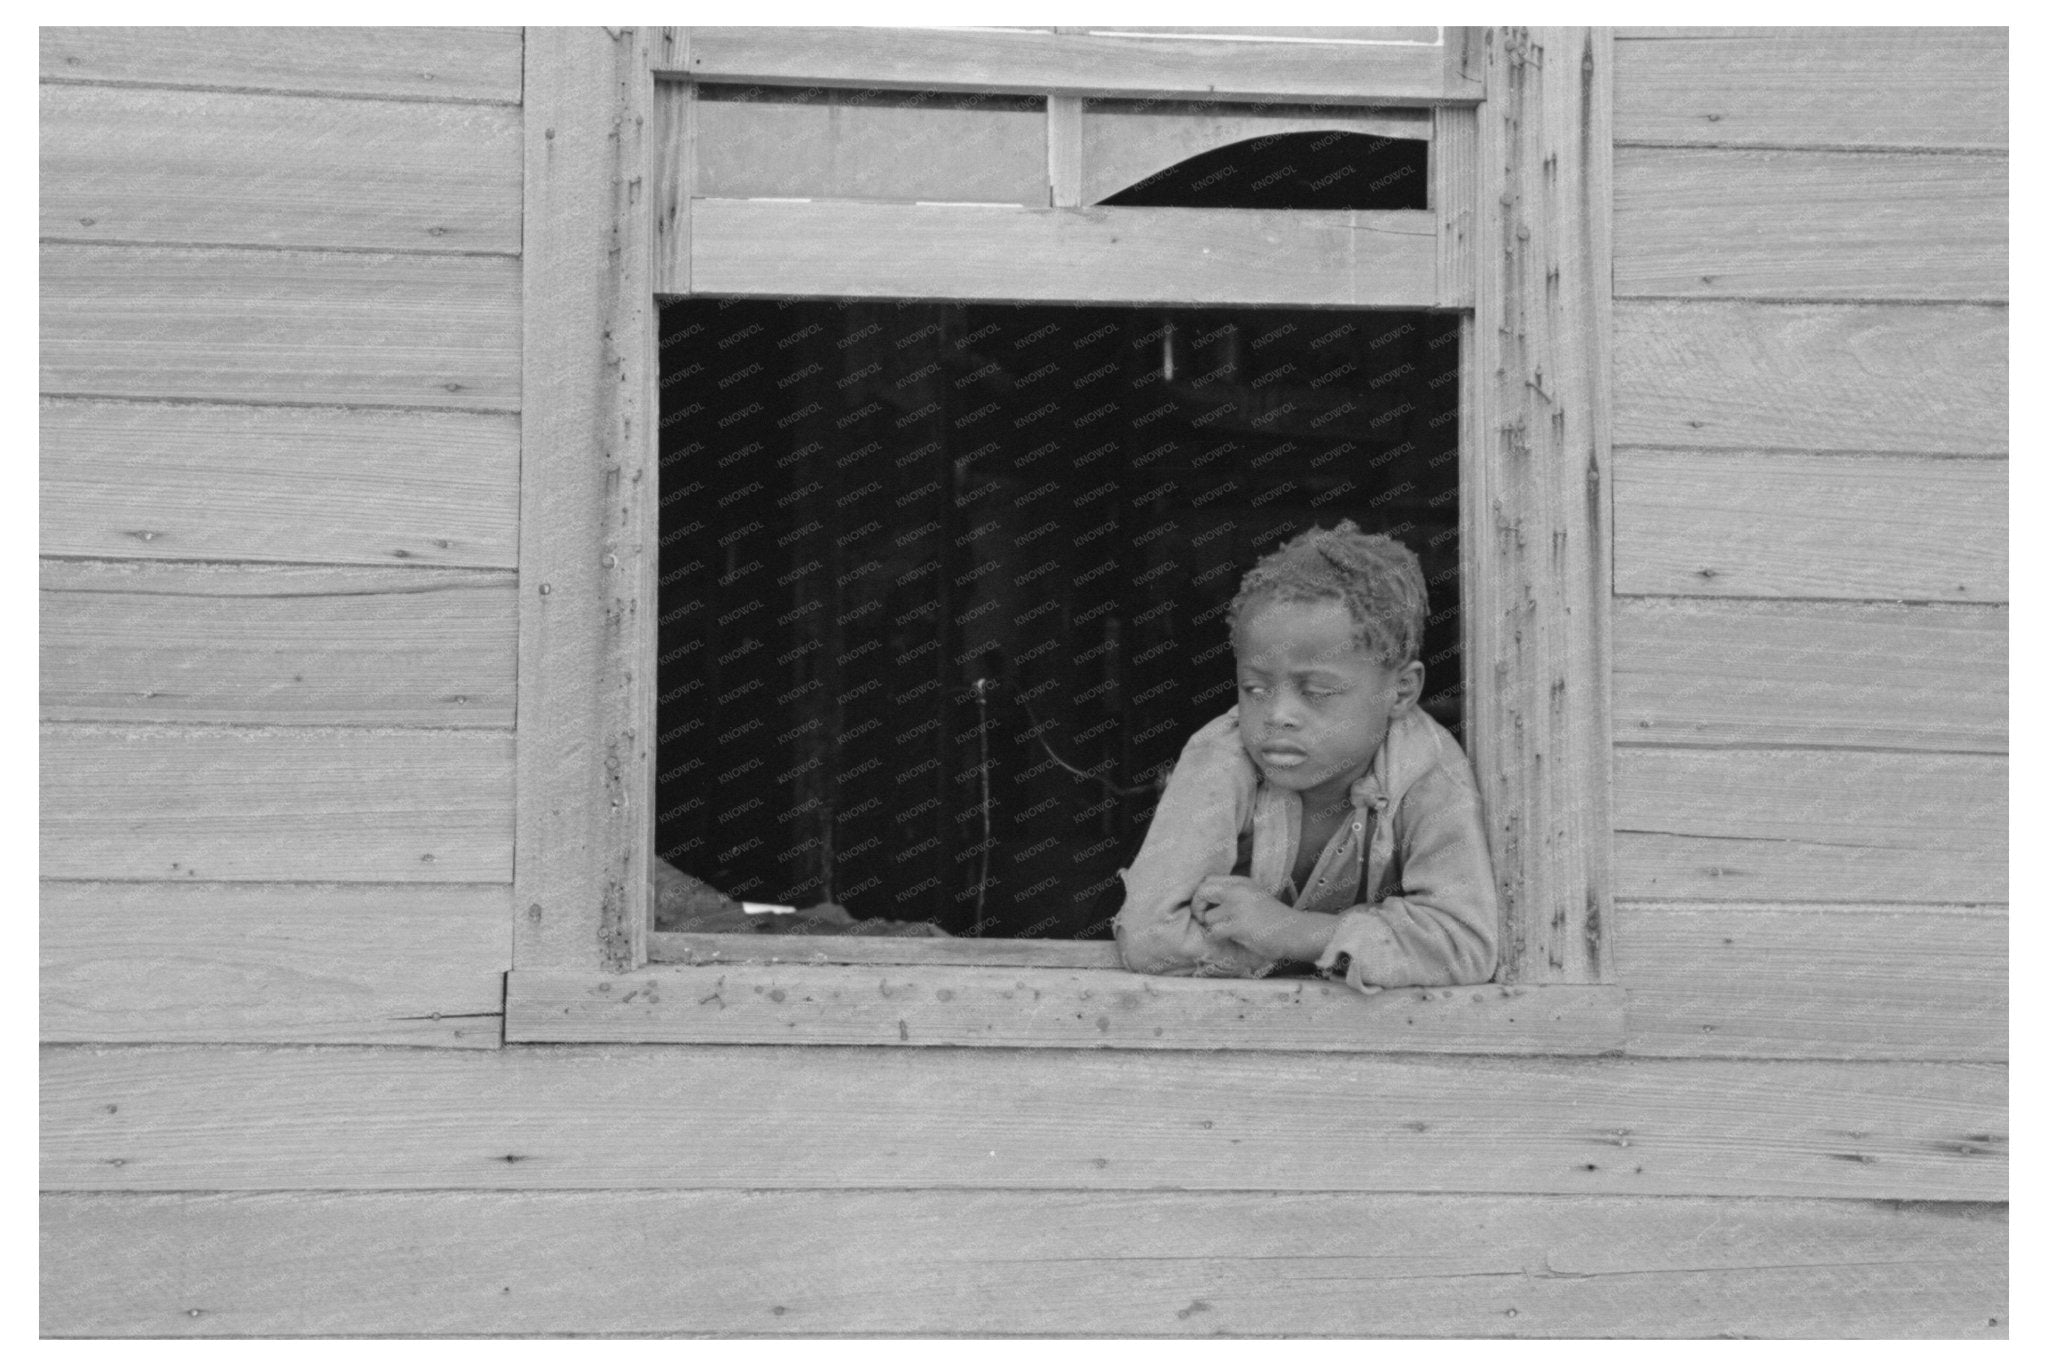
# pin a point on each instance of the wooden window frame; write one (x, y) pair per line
(1516, 239)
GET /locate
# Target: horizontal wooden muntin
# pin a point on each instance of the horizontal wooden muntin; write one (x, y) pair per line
(924, 1004)
(1017, 61)
(853, 249)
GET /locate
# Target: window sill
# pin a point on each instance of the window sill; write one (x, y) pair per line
(815, 996)
(703, 950)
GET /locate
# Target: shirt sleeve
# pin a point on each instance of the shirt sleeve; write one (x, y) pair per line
(1192, 835)
(1440, 928)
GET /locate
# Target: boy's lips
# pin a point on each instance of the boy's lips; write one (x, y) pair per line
(1283, 756)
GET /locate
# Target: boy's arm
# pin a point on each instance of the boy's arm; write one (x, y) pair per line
(1192, 835)
(1440, 930)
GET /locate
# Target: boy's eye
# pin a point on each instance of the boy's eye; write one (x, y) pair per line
(1253, 688)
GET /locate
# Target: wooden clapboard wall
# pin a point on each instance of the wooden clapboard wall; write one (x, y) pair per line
(279, 497)
(1810, 541)
(282, 316)
(1810, 634)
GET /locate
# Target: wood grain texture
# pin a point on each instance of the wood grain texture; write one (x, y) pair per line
(192, 167)
(848, 145)
(1791, 32)
(280, 326)
(1121, 144)
(1066, 151)
(259, 644)
(1025, 62)
(674, 173)
(993, 1007)
(221, 482)
(1427, 35)
(741, 1117)
(1454, 199)
(1835, 87)
(1803, 673)
(473, 64)
(1535, 498)
(1809, 825)
(1813, 981)
(1757, 524)
(234, 804)
(1117, 255)
(979, 1263)
(703, 949)
(1815, 377)
(279, 963)
(1712, 223)
(588, 511)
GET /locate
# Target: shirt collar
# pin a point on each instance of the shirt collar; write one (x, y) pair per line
(1409, 751)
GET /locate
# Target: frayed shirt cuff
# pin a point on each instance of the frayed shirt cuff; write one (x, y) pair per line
(1361, 948)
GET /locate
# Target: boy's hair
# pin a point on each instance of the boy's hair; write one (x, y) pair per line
(1378, 580)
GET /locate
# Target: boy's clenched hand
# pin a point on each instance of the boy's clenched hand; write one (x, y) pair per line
(1238, 909)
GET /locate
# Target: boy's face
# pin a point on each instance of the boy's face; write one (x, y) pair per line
(1313, 709)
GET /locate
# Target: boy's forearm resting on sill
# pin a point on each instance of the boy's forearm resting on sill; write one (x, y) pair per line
(1237, 909)
(1185, 914)
(1398, 942)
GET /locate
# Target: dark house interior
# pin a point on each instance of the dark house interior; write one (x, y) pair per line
(943, 584)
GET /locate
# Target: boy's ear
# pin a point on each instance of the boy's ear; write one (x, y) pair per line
(1407, 687)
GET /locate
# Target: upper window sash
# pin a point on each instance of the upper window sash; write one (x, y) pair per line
(1386, 66)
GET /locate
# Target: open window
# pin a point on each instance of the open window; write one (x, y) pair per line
(942, 584)
(922, 492)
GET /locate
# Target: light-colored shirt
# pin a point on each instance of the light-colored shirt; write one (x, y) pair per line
(1406, 874)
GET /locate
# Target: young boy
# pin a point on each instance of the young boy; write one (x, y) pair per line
(1325, 818)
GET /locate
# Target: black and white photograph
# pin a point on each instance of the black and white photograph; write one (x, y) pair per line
(946, 677)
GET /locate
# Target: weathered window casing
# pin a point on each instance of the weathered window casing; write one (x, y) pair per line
(1515, 239)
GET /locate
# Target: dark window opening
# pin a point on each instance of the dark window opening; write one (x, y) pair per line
(930, 570)
(1306, 170)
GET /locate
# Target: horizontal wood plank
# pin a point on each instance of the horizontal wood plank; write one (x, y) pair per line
(1701, 672)
(233, 804)
(1711, 223)
(280, 963)
(741, 1117)
(1754, 524)
(1382, 259)
(480, 64)
(281, 326)
(980, 1263)
(702, 949)
(193, 167)
(1815, 377)
(329, 485)
(1427, 35)
(992, 1007)
(1027, 61)
(1809, 825)
(1788, 32)
(1837, 87)
(285, 645)
(1810, 981)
